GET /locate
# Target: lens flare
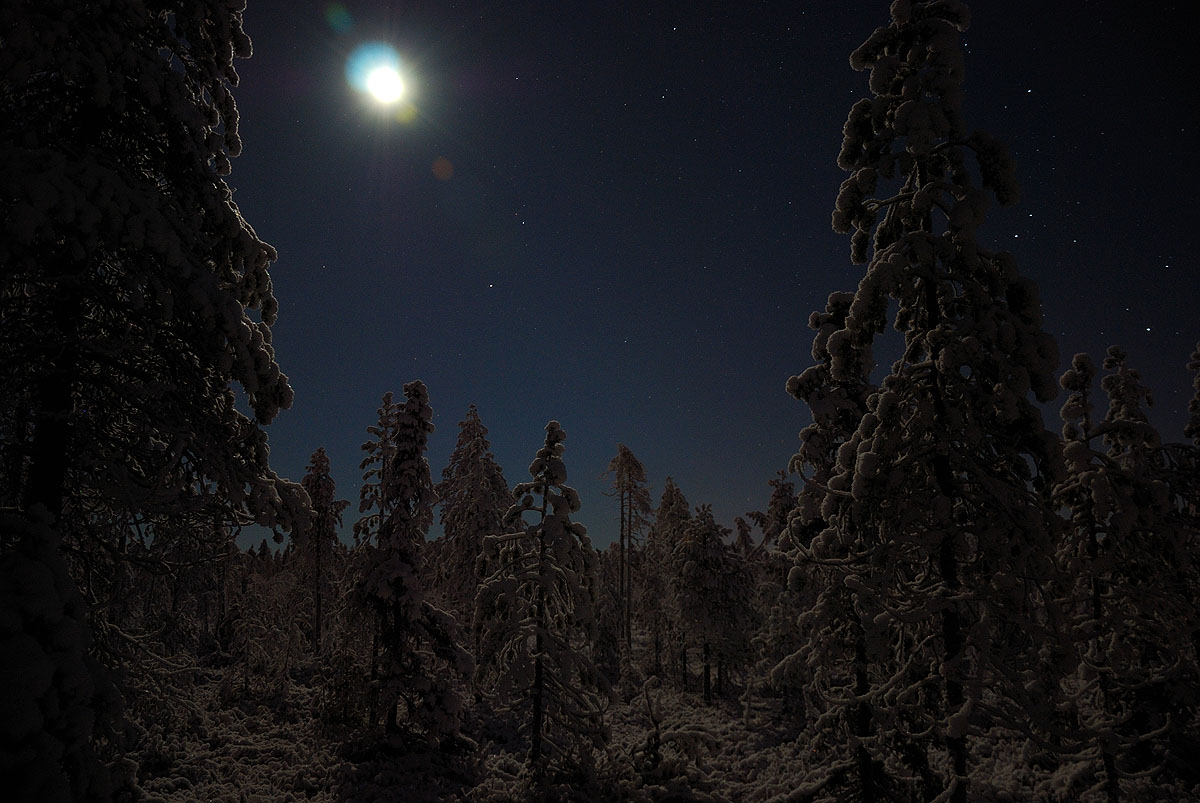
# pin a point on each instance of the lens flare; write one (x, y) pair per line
(338, 18)
(443, 169)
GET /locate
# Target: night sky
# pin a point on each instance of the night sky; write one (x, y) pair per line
(628, 223)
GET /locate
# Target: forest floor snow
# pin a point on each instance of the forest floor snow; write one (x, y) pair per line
(239, 747)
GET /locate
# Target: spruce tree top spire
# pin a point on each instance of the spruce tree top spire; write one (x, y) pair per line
(474, 498)
(625, 467)
(409, 483)
(921, 231)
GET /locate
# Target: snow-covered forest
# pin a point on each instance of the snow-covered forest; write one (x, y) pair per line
(946, 596)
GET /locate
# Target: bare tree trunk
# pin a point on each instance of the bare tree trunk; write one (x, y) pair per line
(861, 724)
(628, 590)
(539, 681)
(947, 561)
(319, 537)
(623, 503)
(373, 701)
(1112, 782)
(683, 666)
(952, 645)
(392, 647)
(52, 414)
(707, 674)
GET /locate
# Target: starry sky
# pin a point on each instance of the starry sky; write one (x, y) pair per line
(617, 216)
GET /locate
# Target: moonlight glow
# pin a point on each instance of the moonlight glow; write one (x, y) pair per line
(385, 84)
(374, 69)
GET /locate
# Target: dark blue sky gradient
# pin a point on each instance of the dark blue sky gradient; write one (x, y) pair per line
(637, 225)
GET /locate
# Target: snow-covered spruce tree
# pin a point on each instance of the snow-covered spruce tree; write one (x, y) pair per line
(1130, 602)
(774, 520)
(743, 539)
(321, 537)
(357, 632)
(608, 647)
(742, 615)
(766, 567)
(376, 466)
(944, 485)
(417, 643)
(633, 498)
(474, 498)
(132, 292)
(704, 593)
(535, 613)
(654, 581)
(1181, 469)
(265, 629)
(1181, 463)
(838, 654)
(778, 639)
(1166, 696)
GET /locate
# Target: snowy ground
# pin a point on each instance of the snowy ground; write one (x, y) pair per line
(236, 748)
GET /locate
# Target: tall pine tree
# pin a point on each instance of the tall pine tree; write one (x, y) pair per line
(658, 566)
(133, 296)
(633, 504)
(537, 617)
(416, 642)
(939, 501)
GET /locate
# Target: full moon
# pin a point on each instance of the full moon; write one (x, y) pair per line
(385, 84)
(375, 69)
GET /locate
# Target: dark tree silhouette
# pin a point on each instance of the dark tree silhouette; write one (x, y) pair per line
(133, 296)
(321, 538)
(416, 641)
(1131, 597)
(938, 507)
(633, 497)
(658, 567)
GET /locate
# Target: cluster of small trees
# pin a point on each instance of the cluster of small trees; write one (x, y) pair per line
(550, 620)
